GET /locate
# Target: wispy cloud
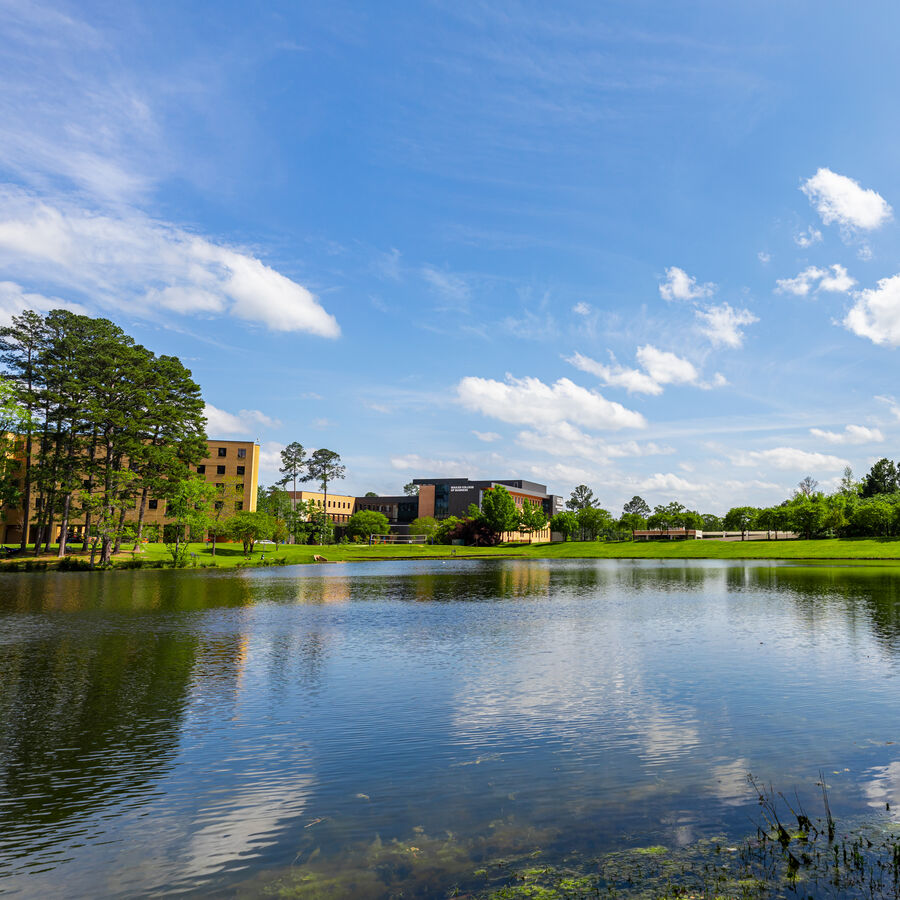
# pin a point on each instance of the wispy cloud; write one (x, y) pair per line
(852, 434)
(659, 368)
(245, 421)
(813, 280)
(722, 324)
(148, 265)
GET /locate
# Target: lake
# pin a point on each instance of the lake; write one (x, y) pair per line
(368, 729)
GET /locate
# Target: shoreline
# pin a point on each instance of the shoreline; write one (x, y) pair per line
(858, 551)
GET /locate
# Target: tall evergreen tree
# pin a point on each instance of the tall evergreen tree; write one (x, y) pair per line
(21, 344)
(324, 466)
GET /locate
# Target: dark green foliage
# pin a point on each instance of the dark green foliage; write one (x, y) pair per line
(582, 498)
(366, 522)
(882, 479)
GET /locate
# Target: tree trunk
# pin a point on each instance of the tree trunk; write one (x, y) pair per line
(26, 499)
(64, 526)
(140, 522)
(120, 527)
(90, 488)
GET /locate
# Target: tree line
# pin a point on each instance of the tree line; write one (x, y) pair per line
(95, 425)
(866, 507)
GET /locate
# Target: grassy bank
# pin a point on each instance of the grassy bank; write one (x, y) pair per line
(232, 555)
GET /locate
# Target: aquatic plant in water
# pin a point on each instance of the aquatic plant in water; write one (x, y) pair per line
(791, 855)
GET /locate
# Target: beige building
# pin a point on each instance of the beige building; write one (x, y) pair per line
(339, 509)
(231, 464)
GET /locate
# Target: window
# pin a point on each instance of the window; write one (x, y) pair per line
(239, 488)
(239, 505)
(223, 451)
(220, 470)
(218, 504)
(240, 470)
(153, 504)
(242, 452)
(86, 484)
(220, 485)
(201, 470)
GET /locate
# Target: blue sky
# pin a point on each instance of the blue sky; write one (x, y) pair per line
(643, 245)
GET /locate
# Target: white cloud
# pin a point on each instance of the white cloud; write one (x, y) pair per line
(245, 421)
(852, 434)
(788, 458)
(129, 260)
(876, 313)
(667, 368)
(681, 286)
(487, 436)
(529, 401)
(582, 309)
(669, 483)
(864, 253)
(722, 324)
(564, 439)
(426, 466)
(14, 299)
(808, 238)
(270, 461)
(834, 279)
(633, 380)
(763, 257)
(839, 199)
(659, 369)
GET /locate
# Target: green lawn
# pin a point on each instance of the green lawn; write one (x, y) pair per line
(230, 555)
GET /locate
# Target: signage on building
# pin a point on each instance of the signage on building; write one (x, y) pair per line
(462, 487)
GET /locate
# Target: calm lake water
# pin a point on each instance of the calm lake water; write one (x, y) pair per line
(234, 733)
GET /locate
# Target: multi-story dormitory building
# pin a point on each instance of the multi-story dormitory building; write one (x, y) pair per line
(237, 463)
(228, 462)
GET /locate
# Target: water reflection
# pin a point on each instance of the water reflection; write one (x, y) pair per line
(202, 731)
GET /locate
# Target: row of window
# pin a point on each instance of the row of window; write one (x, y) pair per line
(239, 504)
(241, 453)
(220, 470)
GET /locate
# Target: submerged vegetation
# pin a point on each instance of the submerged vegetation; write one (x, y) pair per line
(790, 855)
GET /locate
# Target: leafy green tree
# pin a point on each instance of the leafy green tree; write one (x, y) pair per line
(807, 516)
(226, 495)
(849, 487)
(532, 518)
(188, 509)
(366, 522)
(740, 518)
(323, 467)
(21, 344)
(581, 498)
(636, 506)
(711, 522)
(410, 489)
(447, 529)
(293, 469)
(370, 494)
(426, 525)
(498, 510)
(882, 479)
(667, 516)
(14, 423)
(632, 522)
(593, 522)
(769, 519)
(876, 516)
(566, 523)
(250, 527)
